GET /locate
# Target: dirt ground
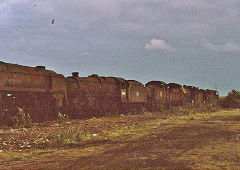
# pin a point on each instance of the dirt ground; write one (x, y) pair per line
(150, 140)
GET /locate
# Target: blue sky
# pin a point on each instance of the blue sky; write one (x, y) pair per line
(193, 42)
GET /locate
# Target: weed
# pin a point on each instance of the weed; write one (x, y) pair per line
(62, 117)
(22, 120)
(108, 125)
(68, 136)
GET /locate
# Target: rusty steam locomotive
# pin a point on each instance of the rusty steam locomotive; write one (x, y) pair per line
(42, 93)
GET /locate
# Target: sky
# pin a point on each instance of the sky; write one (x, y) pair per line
(192, 42)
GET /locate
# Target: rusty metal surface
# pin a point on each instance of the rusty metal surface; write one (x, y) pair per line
(211, 94)
(93, 90)
(190, 94)
(15, 77)
(24, 79)
(88, 89)
(157, 90)
(136, 92)
(201, 95)
(94, 85)
(175, 93)
(156, 83)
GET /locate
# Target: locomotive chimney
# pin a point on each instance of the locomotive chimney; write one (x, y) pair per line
(40, 67)
(75, 74)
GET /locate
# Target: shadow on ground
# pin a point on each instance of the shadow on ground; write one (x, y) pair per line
(160, 149)
(229, 118)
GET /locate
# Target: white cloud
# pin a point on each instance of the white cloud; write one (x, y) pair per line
(228, 47)
(85, 53)
(158, 44)
(231, 47)
(189, 3)
(6, 2)
(211, 46)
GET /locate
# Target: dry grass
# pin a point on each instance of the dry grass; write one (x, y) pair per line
(138, 141)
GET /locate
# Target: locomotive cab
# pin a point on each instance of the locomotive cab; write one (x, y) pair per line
(175, 94)
(123, 87)
(136, 92)
(157, 95)
(190, 94)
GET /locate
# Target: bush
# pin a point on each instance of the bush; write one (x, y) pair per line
(22, 119)
(232, 100)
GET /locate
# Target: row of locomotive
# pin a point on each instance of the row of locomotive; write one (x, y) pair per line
(160, 95)
(42, 93)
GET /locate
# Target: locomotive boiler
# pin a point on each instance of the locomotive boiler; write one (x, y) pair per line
(100, 95)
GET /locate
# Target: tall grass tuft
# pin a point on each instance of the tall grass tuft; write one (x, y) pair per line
(62, 117)
(22, 119)
(68, 136)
